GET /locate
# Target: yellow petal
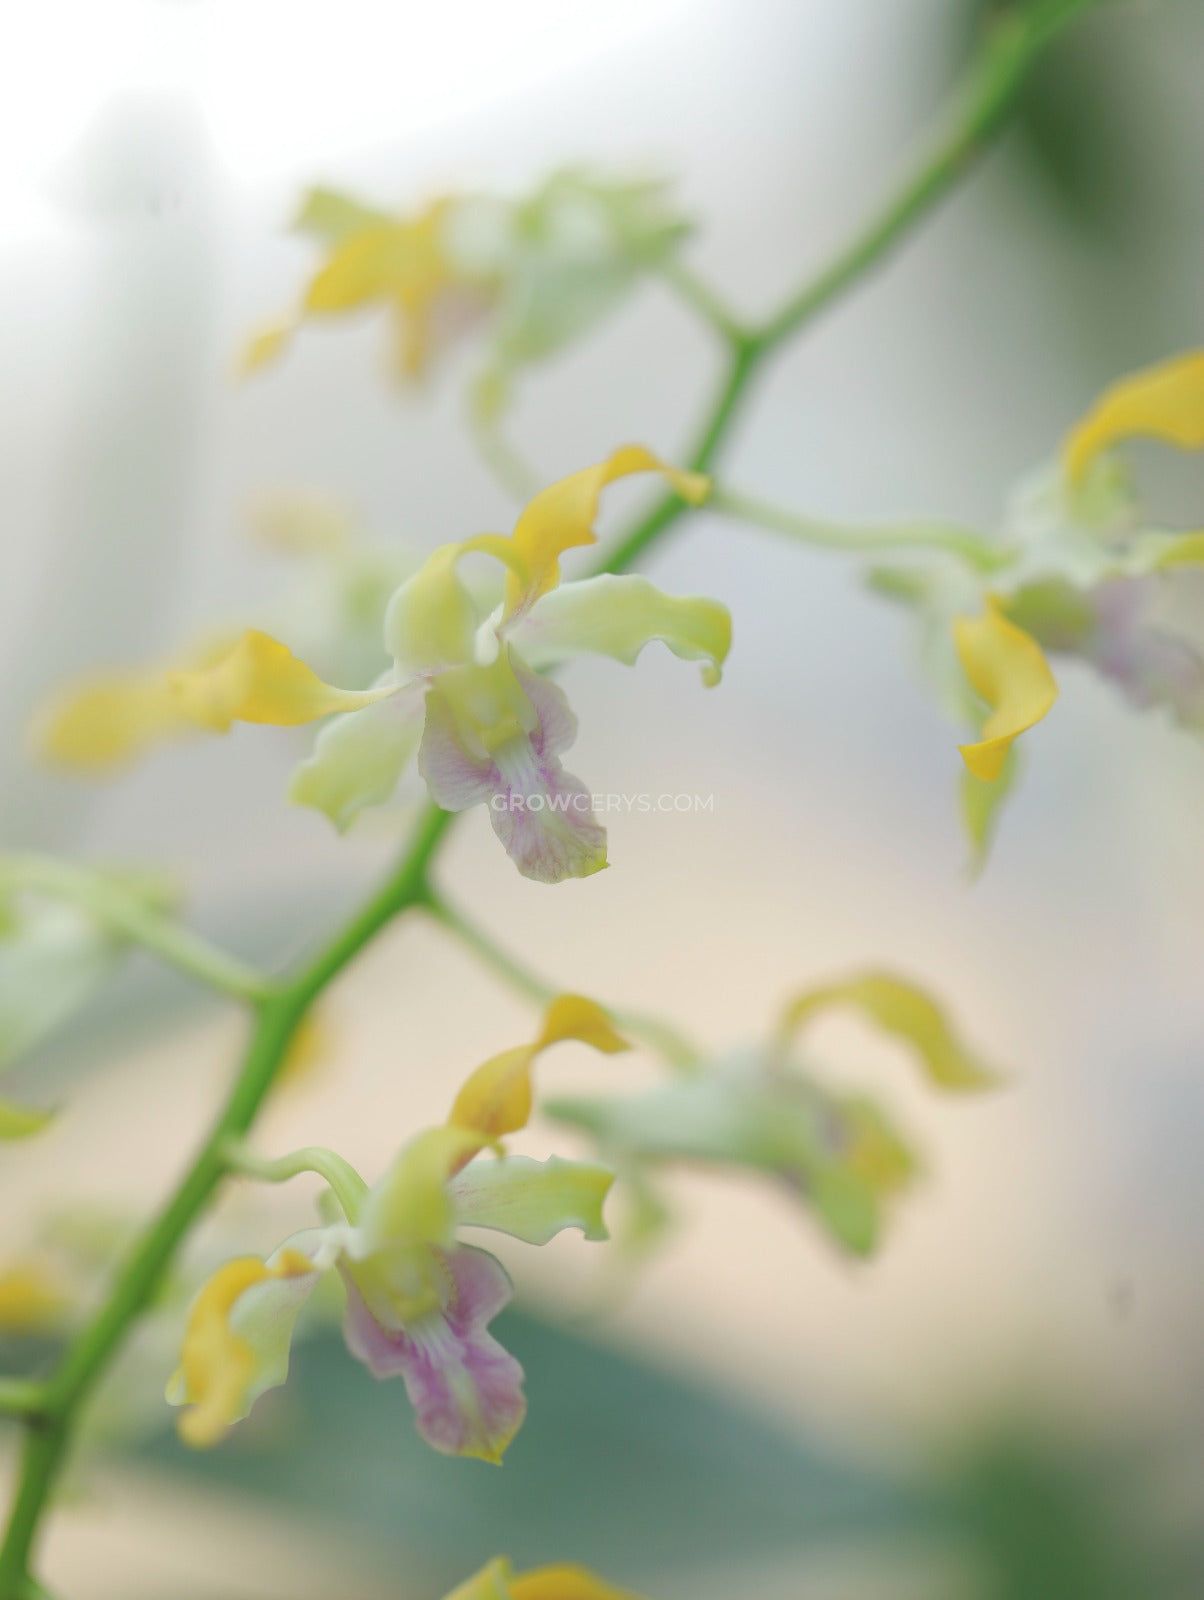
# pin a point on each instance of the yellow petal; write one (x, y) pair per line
(1162, 402)
(903, 1009)
(496, 1099)
(260, 680)
(1185, 551)
(497, 1581)
(1007, 669)
(20, 1122)
(107, 720)
(217, 1368)
(565, 1583)
(264, 346)
(572, 1016)
(562, 516)
(31, 1299)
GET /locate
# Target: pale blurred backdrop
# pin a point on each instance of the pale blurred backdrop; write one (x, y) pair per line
(1049, 1265)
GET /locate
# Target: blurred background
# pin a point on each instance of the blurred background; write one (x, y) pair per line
(1007, 1400)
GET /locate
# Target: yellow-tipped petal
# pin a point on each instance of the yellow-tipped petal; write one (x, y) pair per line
(22, 1122)
(562, 516)
(222, 1373)
(1162, 402)
(1006, 668)
(496, 1099)
(902, 1009)
(260, 680)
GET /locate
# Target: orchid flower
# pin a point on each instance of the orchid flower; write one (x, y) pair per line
(466, 691)
(758, 1110)
(532, 273)
(1079, 572)
(419, 1301)
(499, 1581)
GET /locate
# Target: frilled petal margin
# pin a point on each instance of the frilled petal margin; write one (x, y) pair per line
(617, 615)
(1006, 668)
(543, 815)
(466, 1389)
(1163, 402)
(532, 1200)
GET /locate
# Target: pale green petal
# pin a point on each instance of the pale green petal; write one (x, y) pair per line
(841, 1158)
(359, 757)
(532, 1200)
(617, 616)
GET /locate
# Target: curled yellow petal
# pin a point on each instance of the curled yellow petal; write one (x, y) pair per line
(260, 680)
(562, 516)
(496, 1099)
(1008, 669)
(572, 1016)
(219, 1369)
(904, 1010)
(1162, 402)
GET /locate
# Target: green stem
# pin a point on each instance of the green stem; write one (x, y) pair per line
(1012, 46)
(737, 374)
(278, 1017)
(962, 542)
(654, 1031)
(125, 912)
(1013, 43)
(348, 1188)
(706, 304)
